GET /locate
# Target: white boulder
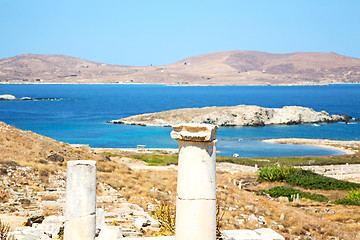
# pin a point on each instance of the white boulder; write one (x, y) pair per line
(7, 97)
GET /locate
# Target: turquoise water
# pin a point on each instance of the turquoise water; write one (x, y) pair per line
(79, 114)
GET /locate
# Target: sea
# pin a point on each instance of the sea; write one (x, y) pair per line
(77, 114)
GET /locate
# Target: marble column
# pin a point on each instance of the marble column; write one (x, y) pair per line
(80, 208)
(196, 183)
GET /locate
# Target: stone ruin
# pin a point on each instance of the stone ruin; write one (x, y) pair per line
(196, 198)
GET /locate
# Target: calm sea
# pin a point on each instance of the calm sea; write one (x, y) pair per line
(80, 112)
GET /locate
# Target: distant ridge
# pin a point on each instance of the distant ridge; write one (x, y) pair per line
(222, 68)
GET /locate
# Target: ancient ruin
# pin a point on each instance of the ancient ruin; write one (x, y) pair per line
(80, 209)
(196, 187)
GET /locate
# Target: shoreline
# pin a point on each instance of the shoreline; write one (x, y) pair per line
(135, 150)
(347, 147)
(182, 85)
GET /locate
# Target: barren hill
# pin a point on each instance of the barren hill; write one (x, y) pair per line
(25, 146)
(223, 68)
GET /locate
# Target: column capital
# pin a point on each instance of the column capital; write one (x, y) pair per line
(194, 132)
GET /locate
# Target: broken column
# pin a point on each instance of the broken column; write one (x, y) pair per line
(196, 183)
(80, 208)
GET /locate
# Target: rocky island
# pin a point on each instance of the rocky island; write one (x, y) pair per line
(8, 97)
(241, 115)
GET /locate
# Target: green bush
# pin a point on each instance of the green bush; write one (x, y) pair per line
(284, 191)
(310, 180)
(353, 195)
(275, 173)
(346, 201)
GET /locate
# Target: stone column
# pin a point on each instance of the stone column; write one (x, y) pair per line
(196, 183)
(80, 208)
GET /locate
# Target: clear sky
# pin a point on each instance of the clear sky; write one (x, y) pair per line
(144, 32)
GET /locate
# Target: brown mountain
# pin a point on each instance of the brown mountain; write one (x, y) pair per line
(223, 68)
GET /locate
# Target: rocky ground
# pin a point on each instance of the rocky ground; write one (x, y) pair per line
(32, 187)
(242, 115)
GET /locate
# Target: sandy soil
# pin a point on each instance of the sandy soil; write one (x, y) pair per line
(348, 147)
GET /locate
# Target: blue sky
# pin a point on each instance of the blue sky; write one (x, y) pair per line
(144, 32)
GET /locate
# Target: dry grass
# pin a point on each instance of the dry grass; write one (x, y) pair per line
(320, 220)
(25, 147)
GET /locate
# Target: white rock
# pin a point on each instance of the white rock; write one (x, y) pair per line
(110, 233)
(100, 218)
(241, 235)
(52, 225)
(142, 222)
(7, 97)
(29, 233)
(258, 234)
(268, 233)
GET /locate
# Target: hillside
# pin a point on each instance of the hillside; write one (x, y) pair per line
(23, 146)
(223, 68)
(32, 185)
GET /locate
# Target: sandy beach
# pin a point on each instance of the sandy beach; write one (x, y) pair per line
(347, 147)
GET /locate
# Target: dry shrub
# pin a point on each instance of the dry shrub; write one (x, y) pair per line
(106, 167)
(165, 215)
(4, 195)
(4, 231)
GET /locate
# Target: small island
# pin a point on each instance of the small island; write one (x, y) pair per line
(8, 97)
(241, 115)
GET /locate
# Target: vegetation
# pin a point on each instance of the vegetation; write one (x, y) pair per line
(157, 160)
(275, 173)
(294, 161)
(4, 231)
(352, 198)
(111, 154)
(166, 159)
(310, 180)
(165, 215)
(304, 178)
(346, 202)
(289, 192)
(353, 195)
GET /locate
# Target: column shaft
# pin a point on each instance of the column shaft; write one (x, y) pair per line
(80, 208)
(196, 189)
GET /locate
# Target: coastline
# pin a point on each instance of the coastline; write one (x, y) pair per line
(347, 147)
(178, 85)
(135, 150)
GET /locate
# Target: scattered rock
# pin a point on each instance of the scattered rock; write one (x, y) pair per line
(283, 199)
(258, 234)
(26, 98)
(110, 232)
(142, 222)
(54, 157)
(52, 225)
